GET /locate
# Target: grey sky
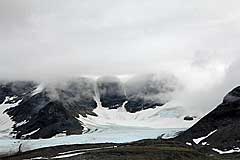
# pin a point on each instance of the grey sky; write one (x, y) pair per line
(76, 37)
(198, 41)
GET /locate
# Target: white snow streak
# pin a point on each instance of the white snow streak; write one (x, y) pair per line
(235, 150)
(188, 143)
(5, 121)
(21, 123)
(198, 140)
(38, 89)
(28, 134)
(67, 155)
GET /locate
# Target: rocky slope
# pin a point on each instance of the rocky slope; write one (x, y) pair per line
(218, 130)
(43, 110)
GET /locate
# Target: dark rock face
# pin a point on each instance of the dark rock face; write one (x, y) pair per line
(188, 118)
(141, 92)
(136, 104)
(233, 96)
(16, 88)
(49, 121)
(224, 120)
(46, 110)
(111, 92)
(28, 107)
(54, 110)
(78, 96)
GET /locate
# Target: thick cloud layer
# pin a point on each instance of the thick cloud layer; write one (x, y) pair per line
(195, 40)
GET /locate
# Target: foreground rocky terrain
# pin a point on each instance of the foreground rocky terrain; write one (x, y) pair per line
(155, 149)
(143, 150)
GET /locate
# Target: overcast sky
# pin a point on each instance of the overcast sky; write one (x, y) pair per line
(196, 40)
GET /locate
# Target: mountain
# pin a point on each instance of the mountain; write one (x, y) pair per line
(111, 92)
(106, 107)
(143, 91)
(33, 110)
(218, 130)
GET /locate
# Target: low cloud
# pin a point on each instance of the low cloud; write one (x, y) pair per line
(195, 41)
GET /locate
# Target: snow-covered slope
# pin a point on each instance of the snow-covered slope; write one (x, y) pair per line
(111, 125)
(69, 107)
(167, 116)
(6, 123)
(74, 108)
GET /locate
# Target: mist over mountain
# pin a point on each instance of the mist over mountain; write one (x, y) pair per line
(191, 40)
(119, 71)
(43, 110)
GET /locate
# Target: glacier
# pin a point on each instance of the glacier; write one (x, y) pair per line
(110, 126)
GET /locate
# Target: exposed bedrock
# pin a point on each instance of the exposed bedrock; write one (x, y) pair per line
(111, 92)
(222, 122)
(15, 88)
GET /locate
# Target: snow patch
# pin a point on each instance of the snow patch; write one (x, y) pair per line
(67, 155)
(90, 149)
(188, 143)
(21, 123)
(78, 152)
(39, 89)
(5, 121)
(198, 140)
(205, 144)
(28, 134)
(35, 158)
(234, 150)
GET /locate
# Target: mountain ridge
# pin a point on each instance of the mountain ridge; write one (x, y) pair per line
(220, 128)
(46, 110)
